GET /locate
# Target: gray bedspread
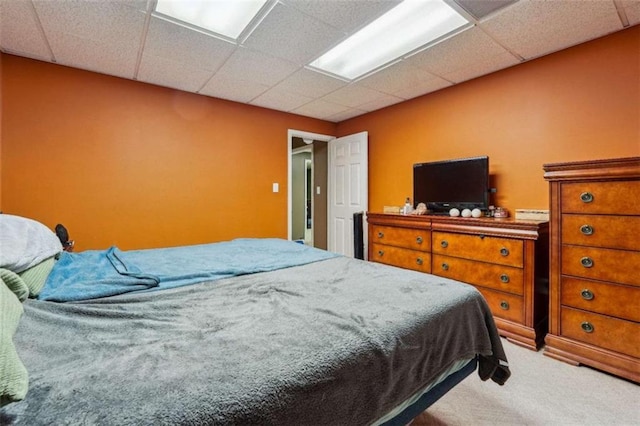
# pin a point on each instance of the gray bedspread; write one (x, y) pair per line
(335, 342)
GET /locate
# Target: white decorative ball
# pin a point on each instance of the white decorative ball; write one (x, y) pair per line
(454, 212)
(476, 212)
(466, 213)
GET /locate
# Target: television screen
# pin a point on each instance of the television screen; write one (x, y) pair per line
(442, 185)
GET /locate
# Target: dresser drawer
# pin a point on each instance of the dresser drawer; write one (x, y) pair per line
(602, 331)
(499, 277)
(505, 306)
(601, 197)
(503, 251)
(622, 232)
(416, 239)
(604, 298)
(401, 257)
(617, 266)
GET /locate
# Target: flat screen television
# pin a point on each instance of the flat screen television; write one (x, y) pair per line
(461, 183)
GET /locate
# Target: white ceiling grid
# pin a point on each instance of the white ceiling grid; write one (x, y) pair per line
(124, 39)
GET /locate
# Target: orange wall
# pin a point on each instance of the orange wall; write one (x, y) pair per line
(578, 104)
(135, 165)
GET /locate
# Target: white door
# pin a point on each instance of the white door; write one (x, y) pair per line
(348, 190)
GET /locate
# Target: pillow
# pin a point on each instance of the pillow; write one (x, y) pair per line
(25, 243)
(14, 379)
(15, 284)
(36, 276)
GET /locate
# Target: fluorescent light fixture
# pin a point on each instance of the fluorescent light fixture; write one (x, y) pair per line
(226, 17)
(407, 27)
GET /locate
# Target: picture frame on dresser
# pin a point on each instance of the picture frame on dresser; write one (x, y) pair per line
(594, 316)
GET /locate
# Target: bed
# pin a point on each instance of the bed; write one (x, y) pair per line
(276, 333)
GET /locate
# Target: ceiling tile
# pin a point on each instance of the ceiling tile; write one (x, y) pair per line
(171, 41)
(290, 34)
(116, 22)
(354, 95)
(233, 89)
(429, 86)
(402, 79)
(535, 28)
(346, 16)
(459, 52)
(345, 115)
(632, 10)
(98, 36)
(480, 9)
(19, 31)
(380, 102)
(168, 73)
(310, 83)
(320, 109)
(280, 100)
(485, 66)
(246, 64)
(104, 58)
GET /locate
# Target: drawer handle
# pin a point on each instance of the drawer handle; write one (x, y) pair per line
(419, 261)
(504, 278)
(587, 262)
(504, 305)
(380, 253)
(419, 240)
(445, 267)
(586, 197)
(587, 294)
(504, 251)
(587, 327)
(444, 244)
(380, 234)
(586, 229)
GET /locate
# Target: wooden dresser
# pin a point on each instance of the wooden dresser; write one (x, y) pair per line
(403, 241)
(505, 259)
(595, 265)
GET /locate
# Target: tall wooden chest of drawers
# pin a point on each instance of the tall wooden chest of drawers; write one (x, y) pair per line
(505, 259)
(594, 314)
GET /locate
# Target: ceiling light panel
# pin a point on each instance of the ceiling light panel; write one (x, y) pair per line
(228, 18)
(405, 28)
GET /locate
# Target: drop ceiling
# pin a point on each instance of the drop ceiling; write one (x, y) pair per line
(123, 38)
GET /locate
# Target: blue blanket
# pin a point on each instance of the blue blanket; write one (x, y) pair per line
(93, 274)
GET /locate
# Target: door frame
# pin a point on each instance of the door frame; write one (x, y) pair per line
(291, 133)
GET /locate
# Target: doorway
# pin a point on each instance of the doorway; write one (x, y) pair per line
(302, 216)
(318, 145)
(339, 193)
(308, 209)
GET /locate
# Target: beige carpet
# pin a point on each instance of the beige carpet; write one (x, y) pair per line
(541, 391)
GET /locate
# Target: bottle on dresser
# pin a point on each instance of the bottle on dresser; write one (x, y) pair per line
(407, 208)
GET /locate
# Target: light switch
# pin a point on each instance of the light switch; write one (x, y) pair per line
(276, 187)
(317, 190)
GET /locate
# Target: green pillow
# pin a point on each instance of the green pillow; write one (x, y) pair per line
(36, 276)
(15, 284)
(14, 379)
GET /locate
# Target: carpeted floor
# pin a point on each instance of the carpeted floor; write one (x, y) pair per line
(541, 391)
